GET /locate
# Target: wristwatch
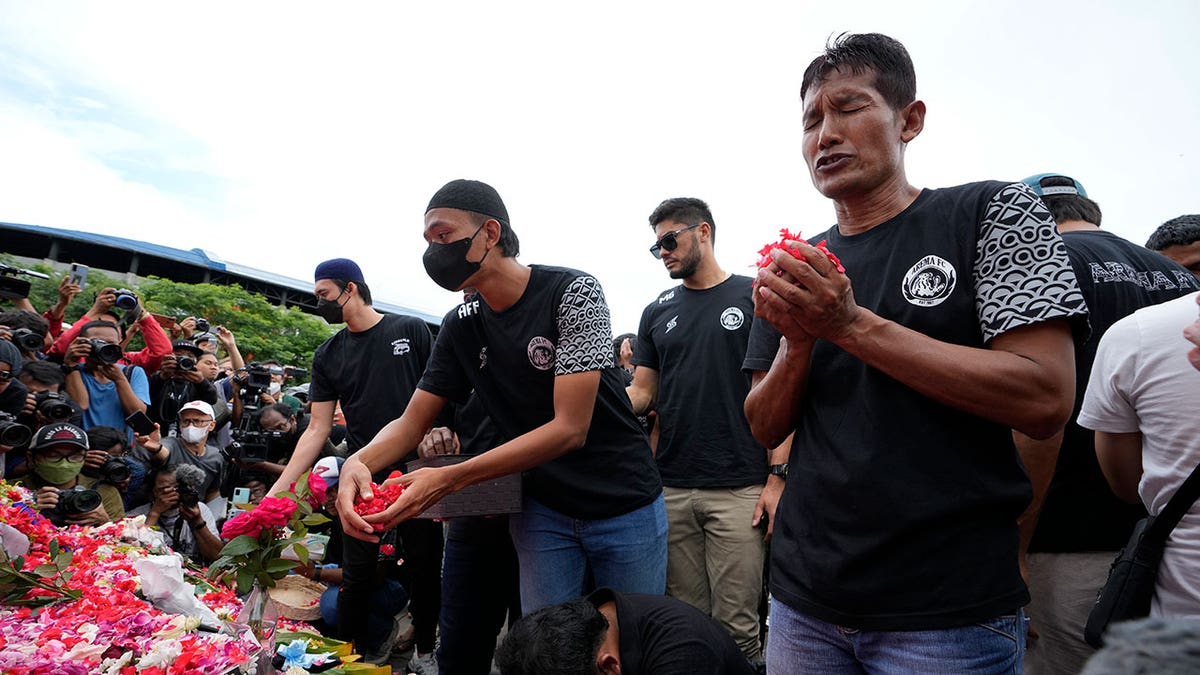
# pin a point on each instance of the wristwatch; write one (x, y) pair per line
(779, 470)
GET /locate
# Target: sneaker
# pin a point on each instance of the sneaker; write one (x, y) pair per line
(423, 664)
(383, 654)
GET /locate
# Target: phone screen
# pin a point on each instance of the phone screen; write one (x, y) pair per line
(164, 321)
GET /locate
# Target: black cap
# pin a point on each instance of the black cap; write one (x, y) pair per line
(59, 433)
(187, 345)
(470, 195)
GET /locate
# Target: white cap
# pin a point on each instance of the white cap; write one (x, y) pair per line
(199, 405)
(327, 468)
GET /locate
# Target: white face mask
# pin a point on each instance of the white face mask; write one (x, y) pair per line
(274, 388)
(193, 434)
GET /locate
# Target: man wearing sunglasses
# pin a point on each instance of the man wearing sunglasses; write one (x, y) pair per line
(690, 346)
(903, 371)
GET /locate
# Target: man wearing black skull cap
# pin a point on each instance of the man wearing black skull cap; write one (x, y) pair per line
(534, 344)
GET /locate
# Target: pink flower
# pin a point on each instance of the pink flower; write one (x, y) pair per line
(274, 511)
(317, 485)
(243, 523)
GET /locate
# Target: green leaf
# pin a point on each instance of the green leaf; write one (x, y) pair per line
(245, 579)
(46, 570)
(315, 519)
(240, 545)
(18, 563)
(280, 565)
(54, 548)
(301, 552)
(302, 484)
(265, 579)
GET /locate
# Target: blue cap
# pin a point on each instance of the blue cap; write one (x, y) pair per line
(339, 268)
(1035, 182)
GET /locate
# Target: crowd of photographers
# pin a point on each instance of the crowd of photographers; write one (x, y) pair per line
(177, 431)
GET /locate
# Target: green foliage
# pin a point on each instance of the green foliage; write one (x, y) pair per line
(16, 582)
(263, 330)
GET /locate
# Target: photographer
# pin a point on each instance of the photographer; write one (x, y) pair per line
(109, 461)
(56, 458)
(106, 391)
(45, 402)
(285, 428)
(26, 330)
(190, 447)
(176, 509)
(180, 379)
(119, 307)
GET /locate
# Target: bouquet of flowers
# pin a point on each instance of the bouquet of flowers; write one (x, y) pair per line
(258, 537)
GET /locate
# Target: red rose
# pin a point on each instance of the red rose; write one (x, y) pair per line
(242, 523)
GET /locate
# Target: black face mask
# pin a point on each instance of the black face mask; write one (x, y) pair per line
(447, 264)
(330, 310)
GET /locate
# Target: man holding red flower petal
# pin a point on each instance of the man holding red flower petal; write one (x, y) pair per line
(903, 377)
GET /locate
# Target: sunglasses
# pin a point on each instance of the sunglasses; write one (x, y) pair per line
(668, 242)
(5, 375)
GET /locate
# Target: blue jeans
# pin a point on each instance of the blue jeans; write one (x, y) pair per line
(627, 552)
(382, 607)
(479, 591)
(797, 643)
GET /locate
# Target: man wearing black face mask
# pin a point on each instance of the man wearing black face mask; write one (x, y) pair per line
(534, 344)
(371, 367)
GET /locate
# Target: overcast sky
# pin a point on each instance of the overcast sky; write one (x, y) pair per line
(277, 135)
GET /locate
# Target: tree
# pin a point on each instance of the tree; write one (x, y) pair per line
(263, 330)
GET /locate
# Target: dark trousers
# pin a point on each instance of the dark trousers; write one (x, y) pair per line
(420, 548)
(479, 591)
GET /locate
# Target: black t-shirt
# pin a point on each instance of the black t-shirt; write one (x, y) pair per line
(660, 635)
(899, 512)
(476, 431)
(373, 373)
(559, 326)
(696, 340)
(1117, 278)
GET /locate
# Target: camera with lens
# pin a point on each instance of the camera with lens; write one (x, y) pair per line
(12, 432)
(126, 299)
(188, 496)
(202, 326)
(114, 471)
(255, 446)
(257, 379)
(27, 339)
(53, 406)
(104, 351)
(185, 363)
(12, 288)
(74, 501)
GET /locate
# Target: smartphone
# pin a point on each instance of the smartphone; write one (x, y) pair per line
(140, 423)
(241, 495)
(167, 322)
(79, 274)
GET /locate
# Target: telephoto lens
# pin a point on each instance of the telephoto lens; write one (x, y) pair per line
(53, 406)
(13, 433)
(27, 339)
(105, 351)
(73, 502)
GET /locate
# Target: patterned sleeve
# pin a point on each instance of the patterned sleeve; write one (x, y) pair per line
(1022, 274)
(584, 328)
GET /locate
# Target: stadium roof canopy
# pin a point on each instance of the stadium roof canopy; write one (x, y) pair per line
(141, 258)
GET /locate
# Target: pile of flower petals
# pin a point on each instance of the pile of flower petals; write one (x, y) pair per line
(110, 629)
